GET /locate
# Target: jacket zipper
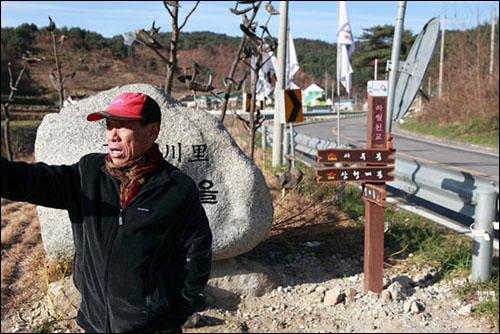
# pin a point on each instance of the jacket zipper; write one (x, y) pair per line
(110, 247)
(120, 215)
(106, 273)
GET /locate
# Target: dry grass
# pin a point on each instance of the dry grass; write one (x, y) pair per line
(469, 92)
(22, 254)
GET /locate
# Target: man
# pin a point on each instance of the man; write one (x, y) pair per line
(142, 239)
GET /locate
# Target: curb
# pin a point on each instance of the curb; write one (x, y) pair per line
(490, 150)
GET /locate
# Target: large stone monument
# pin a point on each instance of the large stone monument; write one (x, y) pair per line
(232, 189)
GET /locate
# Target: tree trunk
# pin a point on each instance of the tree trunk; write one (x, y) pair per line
(59, 75)
(253, 106)
(172, 65)
(235, 64)
(6, 133)
(229, 88)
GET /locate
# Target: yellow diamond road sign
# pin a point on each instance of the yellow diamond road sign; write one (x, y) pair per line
(293, 106)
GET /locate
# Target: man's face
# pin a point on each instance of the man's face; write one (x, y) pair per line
(128, 140)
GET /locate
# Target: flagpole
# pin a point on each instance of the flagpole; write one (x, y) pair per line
(338, 78)
(280, 85)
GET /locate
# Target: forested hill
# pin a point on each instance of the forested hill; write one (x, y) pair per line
(214, 52)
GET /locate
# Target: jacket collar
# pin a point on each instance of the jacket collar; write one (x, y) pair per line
(158, 177)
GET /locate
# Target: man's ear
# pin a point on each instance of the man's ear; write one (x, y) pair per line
(154, 129)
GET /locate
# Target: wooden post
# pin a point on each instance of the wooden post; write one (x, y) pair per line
(375, 214)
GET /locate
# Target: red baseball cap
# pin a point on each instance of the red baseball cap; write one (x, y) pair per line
(130, 107)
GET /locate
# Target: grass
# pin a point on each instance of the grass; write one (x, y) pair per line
(476, 131)
(410, 239)
(22, 125)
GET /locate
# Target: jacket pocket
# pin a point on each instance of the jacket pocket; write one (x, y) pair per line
(157, 300)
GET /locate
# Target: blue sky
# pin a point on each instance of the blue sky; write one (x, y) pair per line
(308, 19)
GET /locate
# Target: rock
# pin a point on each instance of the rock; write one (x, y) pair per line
(416, 307)
(465, 311)
(397, 291)
(385, 294)
(192, 321)
(312, 288)
(64, 299)
(321, 289)
(413, 306)
(407, 306)
(334, 296)
(351, 292)
(405, 281)
(315, 298)
(233, 190)
(241, 276)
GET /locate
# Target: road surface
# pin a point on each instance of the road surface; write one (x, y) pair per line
(353, 130)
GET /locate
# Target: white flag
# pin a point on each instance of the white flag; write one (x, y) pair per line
(345, 48)
(263, 85)
(128, 38)
(292, 63)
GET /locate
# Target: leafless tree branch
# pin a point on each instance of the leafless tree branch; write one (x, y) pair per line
(188, 15)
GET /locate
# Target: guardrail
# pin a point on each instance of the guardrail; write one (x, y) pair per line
(448, 188)
(269, 113)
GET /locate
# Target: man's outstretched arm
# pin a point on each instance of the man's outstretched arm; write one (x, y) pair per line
(39, 183)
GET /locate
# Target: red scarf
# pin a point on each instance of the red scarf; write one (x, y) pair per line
(133, 174)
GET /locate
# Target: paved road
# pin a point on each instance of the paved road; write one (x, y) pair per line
(354, 130)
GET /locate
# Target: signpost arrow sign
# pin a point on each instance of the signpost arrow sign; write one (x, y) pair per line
(293, 106)
(355, 156)
(375, 174)
(375, 194)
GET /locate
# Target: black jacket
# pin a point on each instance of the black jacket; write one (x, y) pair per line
(138, 269)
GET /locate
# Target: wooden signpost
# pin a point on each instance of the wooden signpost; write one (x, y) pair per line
(377, 156)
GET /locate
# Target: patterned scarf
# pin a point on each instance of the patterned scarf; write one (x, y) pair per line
(133, 174)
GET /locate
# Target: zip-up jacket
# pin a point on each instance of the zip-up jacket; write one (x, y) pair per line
(141, 268)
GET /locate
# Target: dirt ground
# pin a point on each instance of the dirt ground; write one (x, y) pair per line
(318, 254)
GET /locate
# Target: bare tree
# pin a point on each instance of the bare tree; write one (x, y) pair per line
(229, 81)
(55, 74)
(147, 39)
(264, 45)
(27, 58)
(191, 84)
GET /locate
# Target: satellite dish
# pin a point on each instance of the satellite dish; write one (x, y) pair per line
(413, 70)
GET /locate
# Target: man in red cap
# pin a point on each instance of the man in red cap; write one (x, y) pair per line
(142, 238)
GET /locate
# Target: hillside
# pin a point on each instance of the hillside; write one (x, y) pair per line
(116, 64)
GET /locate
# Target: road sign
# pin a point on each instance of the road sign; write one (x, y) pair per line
(293, 106)
(374, 174)
(377, 87)
(377, 113)
(413, 69)
(248, 100)
(356, 155)
(375, 194)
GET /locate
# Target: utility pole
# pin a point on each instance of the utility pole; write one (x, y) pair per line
(441, 57)
(280, 85)
(326, 85)
(333, 89)
(376, 69)
(396, 48)
(492, 45)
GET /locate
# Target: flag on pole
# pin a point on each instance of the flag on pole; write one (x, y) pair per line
(345, 47)
(128, 38)
(292, 63)
(263, 85)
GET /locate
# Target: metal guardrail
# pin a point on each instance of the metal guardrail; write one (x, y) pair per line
(448, 188)
(269, 113)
